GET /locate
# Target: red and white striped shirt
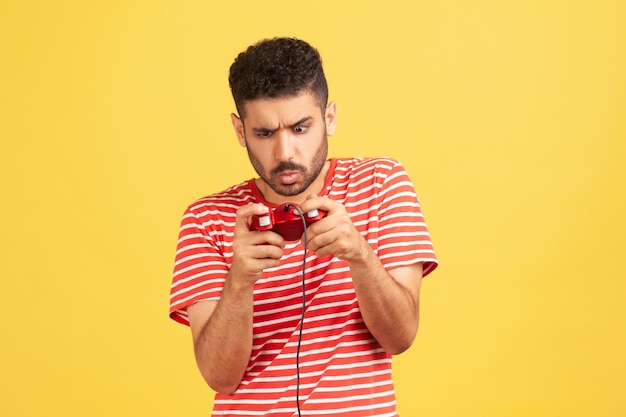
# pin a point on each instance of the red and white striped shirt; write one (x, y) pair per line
(343, 370)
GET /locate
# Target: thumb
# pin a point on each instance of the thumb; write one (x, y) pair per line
(245, 214)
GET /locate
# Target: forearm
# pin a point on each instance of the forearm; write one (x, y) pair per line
(224, 344)
(390, 310)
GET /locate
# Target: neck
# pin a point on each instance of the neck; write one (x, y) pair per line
(315, 188)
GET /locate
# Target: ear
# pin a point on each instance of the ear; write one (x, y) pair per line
(330, 117)
(238, 126)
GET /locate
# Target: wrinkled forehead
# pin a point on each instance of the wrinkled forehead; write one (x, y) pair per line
(279, 110)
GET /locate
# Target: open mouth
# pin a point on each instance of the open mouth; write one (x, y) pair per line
(288, 177)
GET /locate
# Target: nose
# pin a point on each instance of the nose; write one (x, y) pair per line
(284, 148)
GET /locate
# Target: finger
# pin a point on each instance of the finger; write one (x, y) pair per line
(252, 209)
(311, 199)
(315, 202)
(245, 214)
(267, 238)
(322, 246)
(251, 253)
(267, 251)
(268, 263)
(318, 238)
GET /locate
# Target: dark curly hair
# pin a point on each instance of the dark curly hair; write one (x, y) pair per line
(277, 67)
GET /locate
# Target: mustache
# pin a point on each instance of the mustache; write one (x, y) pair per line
(287, 166)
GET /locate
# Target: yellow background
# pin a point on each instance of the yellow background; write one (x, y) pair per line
(508, 115)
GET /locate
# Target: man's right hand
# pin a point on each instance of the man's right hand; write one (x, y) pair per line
(222, 330)
(253, 251)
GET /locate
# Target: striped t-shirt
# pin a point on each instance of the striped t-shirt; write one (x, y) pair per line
(343, 370)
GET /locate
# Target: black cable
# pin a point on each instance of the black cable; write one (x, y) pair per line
(304, 237)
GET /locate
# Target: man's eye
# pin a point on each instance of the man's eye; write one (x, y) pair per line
(266, 134)
(299, 129)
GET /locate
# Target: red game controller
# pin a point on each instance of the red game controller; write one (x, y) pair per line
(286, 221)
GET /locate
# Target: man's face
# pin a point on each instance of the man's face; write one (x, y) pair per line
(286, 140)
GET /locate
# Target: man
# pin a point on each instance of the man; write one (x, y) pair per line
(305, 327)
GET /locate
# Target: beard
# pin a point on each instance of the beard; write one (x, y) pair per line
(309, 174)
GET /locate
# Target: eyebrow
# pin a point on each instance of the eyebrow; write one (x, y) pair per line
(291, 126)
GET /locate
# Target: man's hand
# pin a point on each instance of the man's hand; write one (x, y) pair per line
(253, 251)
(389, 300)
(222, 330)
(334, 234)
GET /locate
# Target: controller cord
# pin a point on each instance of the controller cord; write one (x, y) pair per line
(304, 237)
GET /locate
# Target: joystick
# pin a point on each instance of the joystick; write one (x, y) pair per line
(286, 221)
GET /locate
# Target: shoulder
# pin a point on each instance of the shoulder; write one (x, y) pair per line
(225, 201)
(377, 166)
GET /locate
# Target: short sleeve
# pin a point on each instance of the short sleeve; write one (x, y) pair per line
(403, 235)
(200, 267)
